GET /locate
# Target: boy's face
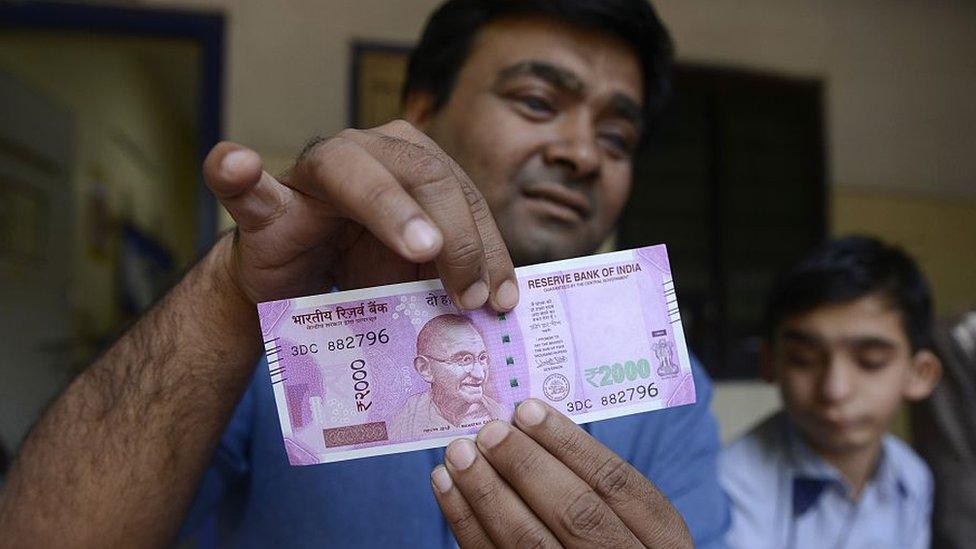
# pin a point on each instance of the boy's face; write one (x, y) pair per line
(843, 371)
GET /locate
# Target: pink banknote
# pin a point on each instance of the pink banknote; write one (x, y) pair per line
(398, 368)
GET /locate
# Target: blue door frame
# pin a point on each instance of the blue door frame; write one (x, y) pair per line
(206, 29)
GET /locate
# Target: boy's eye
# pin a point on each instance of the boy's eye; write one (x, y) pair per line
(872, 364)
(873, 361)
(802, 357)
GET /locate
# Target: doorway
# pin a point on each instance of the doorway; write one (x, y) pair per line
(107, 114)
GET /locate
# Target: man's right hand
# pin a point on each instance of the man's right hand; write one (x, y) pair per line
(363, 208)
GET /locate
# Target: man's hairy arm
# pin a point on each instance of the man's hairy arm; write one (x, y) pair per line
(116, 459)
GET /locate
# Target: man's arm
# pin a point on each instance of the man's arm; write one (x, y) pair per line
(115, 460)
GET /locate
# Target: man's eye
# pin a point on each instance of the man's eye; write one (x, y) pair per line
(617, 142)
(537, 104)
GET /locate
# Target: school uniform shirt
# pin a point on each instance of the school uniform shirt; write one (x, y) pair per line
(785, 496)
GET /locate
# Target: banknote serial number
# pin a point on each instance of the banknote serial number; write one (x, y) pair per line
(360, 384)
(629, 394)
(602, 376)
(365, 339)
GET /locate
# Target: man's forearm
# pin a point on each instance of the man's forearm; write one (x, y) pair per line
(117, 457)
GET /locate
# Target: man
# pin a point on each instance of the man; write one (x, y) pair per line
(849, 340)
(453, 358)
(542, 104)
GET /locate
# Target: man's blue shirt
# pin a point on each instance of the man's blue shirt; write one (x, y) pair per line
(251, 497)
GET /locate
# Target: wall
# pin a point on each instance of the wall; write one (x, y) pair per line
(129, 143)
(899, 75)
(128, 140)
(938, 231)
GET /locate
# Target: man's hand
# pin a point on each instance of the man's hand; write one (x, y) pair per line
(115, 460)
(363, 208)
(547, 483)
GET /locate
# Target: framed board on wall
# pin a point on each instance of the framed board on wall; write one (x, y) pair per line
(378, 71)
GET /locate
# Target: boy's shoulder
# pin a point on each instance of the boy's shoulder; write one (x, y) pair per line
(909, 466)
(752, 470)
(754, 461)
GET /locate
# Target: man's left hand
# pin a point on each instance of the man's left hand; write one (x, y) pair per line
(545, 482)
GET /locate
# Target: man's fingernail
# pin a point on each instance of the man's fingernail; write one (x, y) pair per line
(419, 236)
(441, 480)
(461, 454)
(231, 162)
(507, 295)
(531, 413)
(493, 433)
(475, 296)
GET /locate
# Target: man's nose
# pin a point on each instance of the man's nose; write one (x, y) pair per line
(575, 148)
(837, 383)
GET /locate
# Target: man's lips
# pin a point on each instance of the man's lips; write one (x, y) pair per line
(576, 203)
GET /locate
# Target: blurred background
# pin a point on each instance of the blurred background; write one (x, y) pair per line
(791, 120)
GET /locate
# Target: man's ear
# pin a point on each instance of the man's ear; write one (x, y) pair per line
(422, 365)
(767, 362)
(418, 108)
(926, 371)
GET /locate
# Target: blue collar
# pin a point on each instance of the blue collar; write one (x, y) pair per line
(806, 492)
(811, 475)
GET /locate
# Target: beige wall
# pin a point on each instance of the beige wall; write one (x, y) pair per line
(899, 77)
(938, 231)
(106, 87)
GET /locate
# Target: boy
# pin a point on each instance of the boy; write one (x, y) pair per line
(848, 340)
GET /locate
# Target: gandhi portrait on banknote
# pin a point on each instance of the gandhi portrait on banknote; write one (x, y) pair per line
(453, 358)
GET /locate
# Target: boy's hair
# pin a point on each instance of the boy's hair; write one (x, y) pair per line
(447, 38)
(849, 268)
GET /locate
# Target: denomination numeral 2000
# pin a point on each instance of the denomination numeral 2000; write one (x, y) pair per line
(602, 376)
(354, 341)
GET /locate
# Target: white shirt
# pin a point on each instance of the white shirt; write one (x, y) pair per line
(784, 495)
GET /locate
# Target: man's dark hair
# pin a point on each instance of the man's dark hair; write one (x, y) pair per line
(850, 268)
(450, 31)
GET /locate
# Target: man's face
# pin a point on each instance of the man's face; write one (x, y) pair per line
(843, 371)
(459, 364)
(545, 117)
